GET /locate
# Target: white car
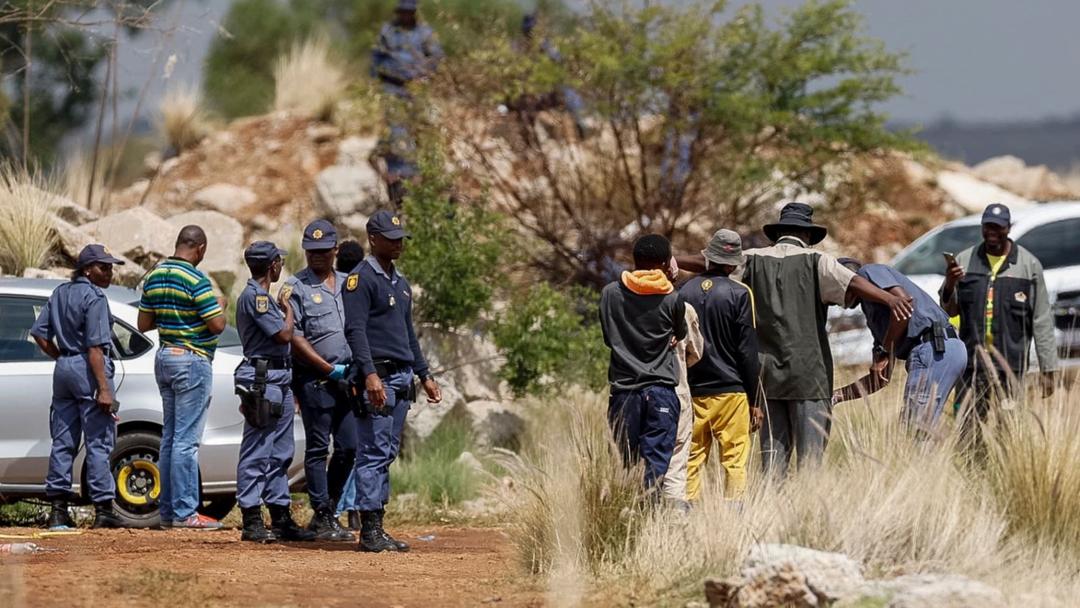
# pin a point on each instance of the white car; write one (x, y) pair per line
(1050, 231)
(26, 392)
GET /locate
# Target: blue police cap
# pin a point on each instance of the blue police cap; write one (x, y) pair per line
(997, 214)
(95, 253)
(387, 224)
(263, 251)
(319, 234)
(406, 5)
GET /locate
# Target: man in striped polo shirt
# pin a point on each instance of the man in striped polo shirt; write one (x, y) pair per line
(179, 302)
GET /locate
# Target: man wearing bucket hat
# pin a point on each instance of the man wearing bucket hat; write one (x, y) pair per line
(75, 329)
(724, 382)
(793, 286)
(999, 291)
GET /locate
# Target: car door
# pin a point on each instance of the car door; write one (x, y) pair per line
(25, 394)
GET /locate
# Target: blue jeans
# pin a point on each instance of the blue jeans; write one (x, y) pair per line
(378, 439)
(931, 377)
(644, 423)
(185, 380)
(348, 501)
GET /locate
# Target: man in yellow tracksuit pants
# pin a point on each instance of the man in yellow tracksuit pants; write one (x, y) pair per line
(724, 382)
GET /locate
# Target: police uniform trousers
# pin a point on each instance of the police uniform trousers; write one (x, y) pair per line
(262, 473)
(326, 413)
(74, 415)
(378, 439)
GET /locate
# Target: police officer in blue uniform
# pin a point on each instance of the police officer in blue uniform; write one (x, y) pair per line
(386, 353)
(407, 51)
(263, 383)
(75, 329)
(320, 356)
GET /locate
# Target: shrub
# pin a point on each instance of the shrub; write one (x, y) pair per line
(546, 334)
(184, 122)
(456, 254)
(431, 469)
(26, 224)
(309, 80)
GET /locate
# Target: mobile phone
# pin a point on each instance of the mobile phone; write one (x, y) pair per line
(950, 258)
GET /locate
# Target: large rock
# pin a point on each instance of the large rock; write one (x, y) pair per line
(467, 359)
(495, 424)
(226, 198)
(72, 212)
(355, 151)
(224, 260)
(71, 239)
(973, 194)
(1035, 182)
(423, 418)
(135, 233)
(343, 190)
(787, 575)
(940, 591)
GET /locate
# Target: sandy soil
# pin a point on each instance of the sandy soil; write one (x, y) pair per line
(460, 567)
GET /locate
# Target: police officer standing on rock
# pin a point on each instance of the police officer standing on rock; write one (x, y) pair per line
(75, 329)
(263, 383)
(386, 353)
(320, 354)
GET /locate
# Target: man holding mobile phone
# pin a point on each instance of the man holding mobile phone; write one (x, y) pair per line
(998, 289)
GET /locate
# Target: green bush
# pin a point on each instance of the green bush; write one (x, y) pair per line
(431, 469)
(546, 333)
(454, 255)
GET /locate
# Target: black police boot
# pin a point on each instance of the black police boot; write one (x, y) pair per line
(401, 546)
(283, 526)
(371, 534)
(254, 528)
(59, 518)
(105, 517)
(354, 520)
(326, 526)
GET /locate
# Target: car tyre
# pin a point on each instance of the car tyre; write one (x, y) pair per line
(138, 481)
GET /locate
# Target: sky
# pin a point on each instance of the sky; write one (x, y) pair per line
(973, 60)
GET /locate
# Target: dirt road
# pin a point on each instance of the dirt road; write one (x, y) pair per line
(459, 567)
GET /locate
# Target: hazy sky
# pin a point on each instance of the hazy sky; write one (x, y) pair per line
(974, 60)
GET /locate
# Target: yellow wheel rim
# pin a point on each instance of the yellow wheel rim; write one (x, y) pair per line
(126, 492)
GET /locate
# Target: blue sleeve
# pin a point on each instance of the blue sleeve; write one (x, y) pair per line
(420, 364)
(433, 49)
(357, 308)
(296, 300)
(880, 275)
(271, 321)
(98, 322)
(42, 327)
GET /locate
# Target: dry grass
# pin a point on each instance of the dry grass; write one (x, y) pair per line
(26, 224)
(897, 505)
(184, 120)
(77, 180)
(309, 80)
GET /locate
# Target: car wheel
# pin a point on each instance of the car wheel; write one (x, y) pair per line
(138, 480)
(218, 506)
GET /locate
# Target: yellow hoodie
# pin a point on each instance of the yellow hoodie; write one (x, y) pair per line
(647, 282)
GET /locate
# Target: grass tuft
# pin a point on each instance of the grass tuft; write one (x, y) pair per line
(309, 79)
(26, 224)
(184, 120)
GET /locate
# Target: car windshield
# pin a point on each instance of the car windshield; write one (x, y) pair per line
(926, 258)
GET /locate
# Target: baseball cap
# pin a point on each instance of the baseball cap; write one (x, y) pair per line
(387, 224)
(997, 214)
(95, 253)
(406, 5)
(319, 234)
(263, 251)
(725, 247)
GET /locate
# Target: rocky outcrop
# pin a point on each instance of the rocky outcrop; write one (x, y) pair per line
(495, 424)
(70, 241)
(1036, 182)
(224, 260)
(787, 575)
(225, 198)
(136, 233)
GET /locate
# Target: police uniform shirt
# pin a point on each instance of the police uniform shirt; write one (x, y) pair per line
(319, 314)
(258, 319)
(878, 316)
(76, 316)
(379, 323)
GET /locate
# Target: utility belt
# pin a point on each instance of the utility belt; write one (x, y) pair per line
(356, 386)
(271, 362)
(937, 334)
(258, 410)
(389, 367)
(107, 350)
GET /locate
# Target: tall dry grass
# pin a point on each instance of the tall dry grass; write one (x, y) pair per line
(26, 224)
(77, 181)
(896, 504)
(309, 79)
(184, 120)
